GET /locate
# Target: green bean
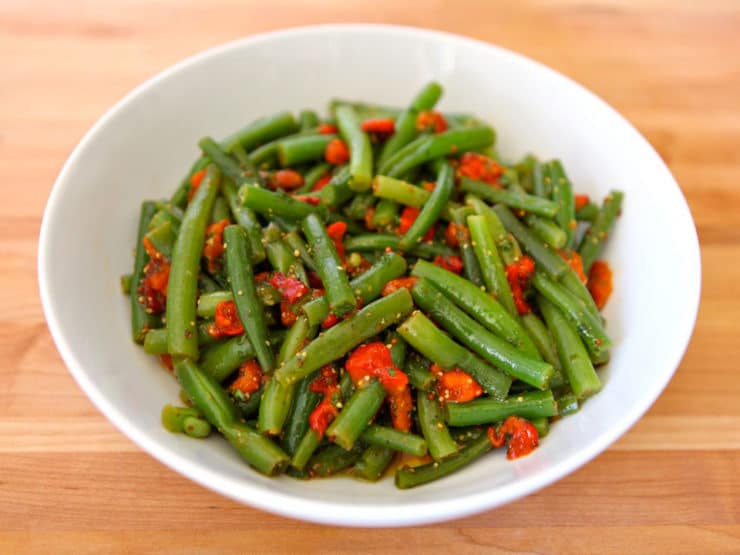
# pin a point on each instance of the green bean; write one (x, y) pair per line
(206, 394)
(359, 206)
(433, 427)
(302, 148)
(381, 241)
(417, 370)
(386, 213)
(166, 216)
(304, 402)
(426, 148)
(404, 442)
(492, 269)
(425, 337)
(182, 339)
(332, 459)
(567, 404)
(356, 414)
(247, 403)
(587, 213)
(547, 230)
(532, 404)
(248, 306)
(308, 119)
(541, 182)
(312, 176)
(542, 425)
(477, 338)
(125, 281)
(307, 446)
(141, 320)
(365, 110)
(573, 356)
(180, 197)
(207, 302)
(246, 218)
(220, 360)
(431, 210)
(220, 210)
(397, 348)
(593, 240)
(588, 325)
(185, 420)
(272, 203)
(522, 201)
(405, 128)
(577, 288)
(360, 149)
(281, 257)
(256, 449)
(300, 249)
(278, 397)
(373, 462)
(411, 477)
(265, 156)
(562, 193)
(545, 257)
(226, 163)
(480, 306)
(541, 337)
(261, 131)
(399, 191)
(344, 336)
(337, 191)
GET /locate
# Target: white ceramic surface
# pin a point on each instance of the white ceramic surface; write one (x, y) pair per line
(142, 147)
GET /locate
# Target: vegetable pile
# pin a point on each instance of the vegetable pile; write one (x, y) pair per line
(333, 294)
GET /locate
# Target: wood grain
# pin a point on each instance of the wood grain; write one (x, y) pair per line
(69, 482)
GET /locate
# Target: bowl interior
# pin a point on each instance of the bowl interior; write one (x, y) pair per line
(142, 148)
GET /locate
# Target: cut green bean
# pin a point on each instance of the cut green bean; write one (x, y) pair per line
(593, 240)
(547, 230)
(332, 459)
(433, 427)
(185, 420)
(304, 401)
(431, 210)
(300, 249)
(373, 462)
(404, 442)
(261, 131)
(360, 149)
(356, 415)
(306, 448)
(533, 404)
(562, 193)
(272, 203)
(246, 218)
(337, 191)
(522, 201)
(302, 148)
(386, 213)
(417, 370)
(471, 267)
(141, 320)
(587, 213)
(541, 183)
(307, 119)
(382, 241)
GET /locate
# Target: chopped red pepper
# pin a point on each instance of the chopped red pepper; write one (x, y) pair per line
(407, 219)
(379, 128)
(428, 185)
(479, 167)
(400, 283)
(517, 275)
(327, 129)
(153, 287)
(456, 234)
(307, 199)
(520, 436)
(336, 233)
(226, 321)
(249, 378)
(330, 320)
(286, 180)
(369, 215)
(325, 383)
(429, 120)
(400, 405)
(336, 152)
(374, 360)
(288, 316)
(314, 280)
(600, 282)
(167, 362)
(290, 288)
(321, 182)
(449, 262)
(323, 415)
(575, 261)
(456, 385)
(213, 247)
(581, 201)
(195, 180)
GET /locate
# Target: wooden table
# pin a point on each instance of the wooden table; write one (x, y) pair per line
(70, 482)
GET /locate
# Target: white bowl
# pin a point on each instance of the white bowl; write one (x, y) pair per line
(142, 147)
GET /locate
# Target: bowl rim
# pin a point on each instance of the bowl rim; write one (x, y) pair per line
(349, 513)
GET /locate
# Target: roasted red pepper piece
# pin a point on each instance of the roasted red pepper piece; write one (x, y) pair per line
(407, 219)
(153, 287)
(195, 180)
(429, 120)
(321, 182)
(325, 383)
(575, 261)
(213, 248)
(449, 262)
(400, 283)
(336, 152)
(249, 378)
(226, 321)
(456, 385)
(479, 167)
(286, 180)
(309, 200)
(581, 201)
(517, 275)
(327, 129)
(291, 288)
(455, 234)
(600, 282)
(336, 233)
(400, 405)
(520, 436)
(374, 360)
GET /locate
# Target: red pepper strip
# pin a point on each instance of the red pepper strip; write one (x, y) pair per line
(336, 233)
(309, 200)
(195, 180)
(575, 261)
(517, 275)
(153, 288)
(374, 360)
(581, 201)
(395, 284)
(286, 180)
(226, 321)
(407, 219)
(336, 152)
(520, 436)
(321, 182)
(327, 129)
(450, 262)
(456, 385)
(479, 167)
(379, 129)
(214, 244)
(290, 288)
(326, 411)
(431, 121)
(249, 378)
(600, 282)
